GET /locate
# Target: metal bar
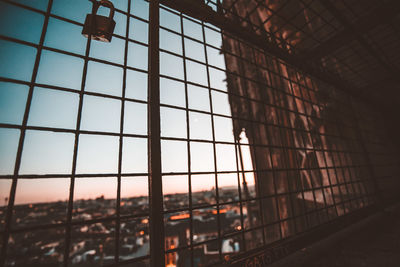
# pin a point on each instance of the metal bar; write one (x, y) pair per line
(188, 143)
(121, 143)
(217, 194)
(245, 189)
(75, 155)
(156, 219)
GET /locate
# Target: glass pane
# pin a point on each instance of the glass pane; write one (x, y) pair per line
(223, 129)
(135, 121)
(12, 102)
(138, 30)
(41, 201)
(201, 157)
(137, 56)
(134, 195)
(213, 37)
(220, 103)
(112, 51)
(17, 60)
(41, 4)
(74, 9)
(215, 58)
(170, 41)
(134, 240)
(119, 18)
(203, 189)
(97, 154)
(140, 8)
(134, 155)
(65, 36)
(136, 85)
(14, 20)
(166, 61)
(121, 4)
(97, 240)
(194, 50)
(24, 252)
(174, 156)
(176, 191)
(173, 122)
(100, 114)
(200, 126)
(230, 222)
(104, 78)
(228, 187)
(177, 235)
(199, 98)
(170, 20)
(192, 29)
(199, 235)
(172, 92)
(196, 72)
(59, 69)
(9, 139)
(94, 194)
(52, 108)
(247, 181)
(217, 79)
(47, 152)
(226, 157)
(5, 187)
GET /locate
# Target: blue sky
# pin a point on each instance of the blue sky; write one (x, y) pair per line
(47, 152)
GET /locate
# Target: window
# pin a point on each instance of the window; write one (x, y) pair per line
(253, 150)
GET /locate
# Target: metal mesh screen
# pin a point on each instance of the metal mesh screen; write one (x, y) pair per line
(255, 153)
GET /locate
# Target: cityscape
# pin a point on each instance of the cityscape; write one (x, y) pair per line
(93, 230)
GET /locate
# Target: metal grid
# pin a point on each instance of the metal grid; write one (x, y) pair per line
(309, 169)
(328, 33)
(67, 228)
(282, 205)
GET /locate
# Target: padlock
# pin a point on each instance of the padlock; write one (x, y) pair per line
(100, 28)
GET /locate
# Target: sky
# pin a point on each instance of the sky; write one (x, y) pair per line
(46, 152)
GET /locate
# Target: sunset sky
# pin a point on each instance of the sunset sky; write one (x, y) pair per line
(47, 152)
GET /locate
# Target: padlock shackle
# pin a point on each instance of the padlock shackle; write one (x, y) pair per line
(104, 3)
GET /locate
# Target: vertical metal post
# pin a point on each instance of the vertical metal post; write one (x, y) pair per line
(10, 206)
(154, 144)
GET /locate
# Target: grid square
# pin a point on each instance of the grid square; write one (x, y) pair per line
(100, 114)
(20, 60)
(9, 139)
(201, 157)
(53, 108)
(135, 118)
(134, 155)
(70, 40)
(47, 152)
(60, 70)
(12, 102)
(104, 78)
(97, 154)
(16, 19)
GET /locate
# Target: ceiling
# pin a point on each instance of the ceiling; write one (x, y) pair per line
(358, 41)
